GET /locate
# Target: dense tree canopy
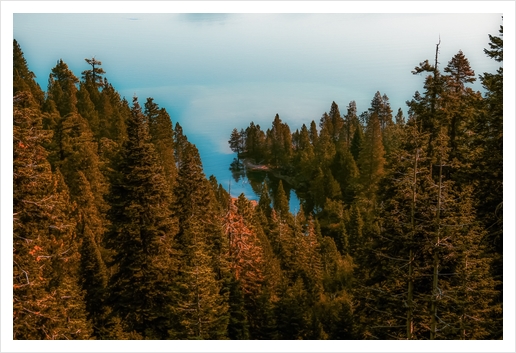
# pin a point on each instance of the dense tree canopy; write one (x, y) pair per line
(119, 234)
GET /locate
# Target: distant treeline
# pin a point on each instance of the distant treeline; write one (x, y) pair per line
(118, 234)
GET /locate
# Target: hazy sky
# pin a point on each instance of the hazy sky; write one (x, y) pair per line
(213, 72)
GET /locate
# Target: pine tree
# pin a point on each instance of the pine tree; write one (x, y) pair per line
(351, 123)
(245, 251)
(371, 159)
(398, 252)
(427, 106)
(292, 312)
(80, 166)
(264, 325)
(323, 186)
(332, 222)
(264, 203)
(457, 246)
(77, 152)
(247, 264)
(281, 204)
(356, 142)
(419, 255)
(91, 225)
(303, 160)
(335, 313)
(461, 105)
(47, 300)
(346, 172)
(467, 309)
(141, 237)
(356, 225)
(487, 167)
(200, 310)
(203, 276)
(236, 142)
(337, 270)
(238, 326)
(23, 78)
(62, 89)
(87, 110)
(325, 149)
(161, 131)
(93, 77)
(280, 142)
(94, 82)
(113, 114)
(181, 143)
(314, 134)
(307, 255)
(381, 107)
(332, 123)
(255, 142)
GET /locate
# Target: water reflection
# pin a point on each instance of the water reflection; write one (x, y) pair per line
(236, 182)
(252, 182)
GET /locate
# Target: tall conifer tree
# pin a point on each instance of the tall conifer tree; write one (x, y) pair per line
(372, 158)
(203, 276)
(47, 300)
(23, 78)
(141, 236)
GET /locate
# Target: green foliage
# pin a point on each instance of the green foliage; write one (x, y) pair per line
(265, 201)
(356, 142)
(292, 312)
(160, 128)
(47, 300)
(255, 145)
(381, 107)
(325, 149)
(346, 173)
(350, 125)
(114, 112)
(279, 141)
(303, 160)
(141, 236)
(336, 316)
(487, 166)
(23, 78)
(238, 327)
(117, 233)
(87, 110)
(281, 202)
(62, 88)
(202, 307)
(93, 77)
(236, 142)
(371, 159)
(332, 123)
(201, 313)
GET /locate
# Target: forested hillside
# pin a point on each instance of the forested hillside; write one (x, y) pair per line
(119, 234)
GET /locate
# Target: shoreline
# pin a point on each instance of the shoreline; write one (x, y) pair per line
(253, 167)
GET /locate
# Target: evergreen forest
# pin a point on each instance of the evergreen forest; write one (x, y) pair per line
(119, 235)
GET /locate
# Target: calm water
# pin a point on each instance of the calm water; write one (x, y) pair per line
(250, 184)
(215, 72)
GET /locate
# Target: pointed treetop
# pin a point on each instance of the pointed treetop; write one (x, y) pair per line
(95, 74)
(496, 46)
(281, 204)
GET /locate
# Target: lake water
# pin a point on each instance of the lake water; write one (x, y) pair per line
(250, 184)
(215, 72)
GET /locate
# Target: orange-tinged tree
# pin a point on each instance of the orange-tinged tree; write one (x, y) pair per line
(47, 300)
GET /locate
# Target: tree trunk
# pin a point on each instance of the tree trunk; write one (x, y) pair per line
(410, 294)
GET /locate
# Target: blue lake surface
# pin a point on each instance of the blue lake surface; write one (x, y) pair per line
(215, 72)
(217, 163)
